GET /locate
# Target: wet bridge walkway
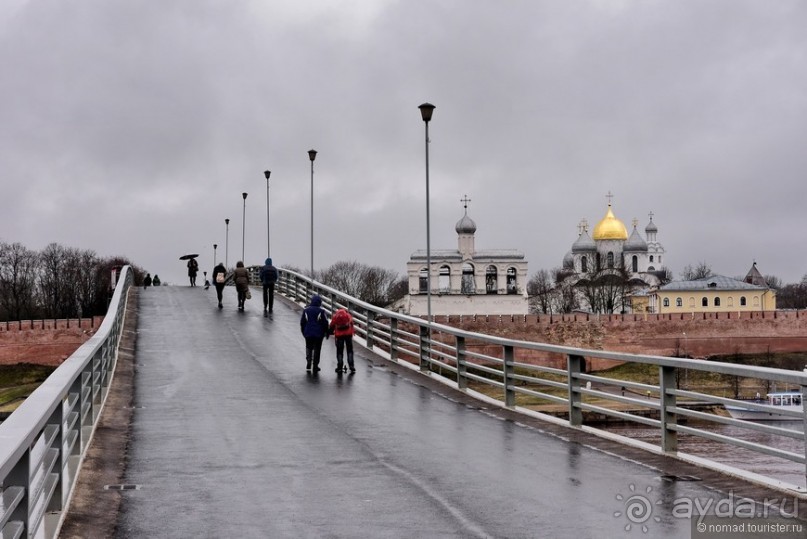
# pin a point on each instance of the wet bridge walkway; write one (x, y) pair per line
(231, 437)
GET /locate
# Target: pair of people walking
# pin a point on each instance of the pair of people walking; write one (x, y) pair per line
(315, 327)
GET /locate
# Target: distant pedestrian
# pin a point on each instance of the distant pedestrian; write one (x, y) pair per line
(241, 278)
(314, 327)
(193, 269)
(156, 280)
(207, 283)
(268, 279)
(147, 280)
(219, 276)
(342, 329)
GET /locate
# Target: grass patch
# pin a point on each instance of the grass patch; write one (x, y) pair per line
(18, 381)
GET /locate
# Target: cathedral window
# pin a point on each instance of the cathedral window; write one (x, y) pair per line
(634, 264)
(491, 280)
(666, 302)
(717, 302)
(679, 302)
(705, 302)
(610, 259)
(468, 285)
(742, 301)
(651, 258)
(584, 264)
(445, 280)
(423, 280)
(511, 281)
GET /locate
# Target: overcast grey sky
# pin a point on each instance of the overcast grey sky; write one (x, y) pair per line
(132, 127)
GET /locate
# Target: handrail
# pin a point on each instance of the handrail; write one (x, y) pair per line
(43, 442)
(442, 352)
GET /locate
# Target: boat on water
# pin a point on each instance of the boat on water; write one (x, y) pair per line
(770, 408)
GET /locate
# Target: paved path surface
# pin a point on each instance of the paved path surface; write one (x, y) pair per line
(231, 437)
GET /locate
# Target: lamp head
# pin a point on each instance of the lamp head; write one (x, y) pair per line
(226, 221)
(426, 110)
(267, 173)
(215, 245)
(244, 195)
(312, 154)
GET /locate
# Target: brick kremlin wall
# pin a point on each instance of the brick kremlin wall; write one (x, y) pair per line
(44, 342)
(693, 334)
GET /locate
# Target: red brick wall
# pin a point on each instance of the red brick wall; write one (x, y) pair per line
(44, 342)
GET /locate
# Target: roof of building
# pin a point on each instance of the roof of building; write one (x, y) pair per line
(610, 228)
(755, 277)
(465, 225)
(714, 282)
(452, 254)
(635, 242)
(583, 243)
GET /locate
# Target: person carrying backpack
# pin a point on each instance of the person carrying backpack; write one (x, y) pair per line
(342, 328)
(314, 327)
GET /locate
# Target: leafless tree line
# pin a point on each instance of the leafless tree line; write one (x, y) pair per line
(372, 284)
(57, 282)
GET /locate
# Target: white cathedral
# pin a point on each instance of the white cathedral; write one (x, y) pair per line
(467, 281)
(610, 247)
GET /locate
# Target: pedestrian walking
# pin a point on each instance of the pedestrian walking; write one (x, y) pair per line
(268, 279)
(314, 327)
(219, 276)
(147, 281)
(241, 277)
(341, 327)
(193, 269)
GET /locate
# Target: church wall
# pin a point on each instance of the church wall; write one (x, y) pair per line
(469, 305)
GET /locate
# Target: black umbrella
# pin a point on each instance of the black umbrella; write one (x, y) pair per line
(187, 257)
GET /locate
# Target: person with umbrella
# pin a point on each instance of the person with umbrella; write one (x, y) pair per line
(193, 267)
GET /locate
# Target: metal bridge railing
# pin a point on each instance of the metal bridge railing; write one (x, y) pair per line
(43, 443)
(488, 367)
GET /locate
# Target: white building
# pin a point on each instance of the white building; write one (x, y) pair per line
(466, 281)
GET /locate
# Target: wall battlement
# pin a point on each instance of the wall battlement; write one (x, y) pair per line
(44, 342)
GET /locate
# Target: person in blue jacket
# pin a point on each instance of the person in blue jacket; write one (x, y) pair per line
(314, 327)
(268, 279)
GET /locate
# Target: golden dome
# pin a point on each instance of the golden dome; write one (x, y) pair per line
(610, 228)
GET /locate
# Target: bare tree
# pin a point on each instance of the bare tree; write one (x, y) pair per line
(18, 266)
(698, 272)
(372, 284)
(774, 282)
(540, 289)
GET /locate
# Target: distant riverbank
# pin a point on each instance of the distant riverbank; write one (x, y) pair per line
(17, 382)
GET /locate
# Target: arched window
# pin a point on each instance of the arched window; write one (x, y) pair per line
(705, 302)
(610, 259)
(666, 302)
(717, 302)
(511, 281)
(679, 302)
(651, 258)
(756, 301)
(742, 301)
(691, 302)
(445, 280)
(423, 280)
(491, 280)
(731, 301)
(584, 264)
(634, 264)
(468, 285)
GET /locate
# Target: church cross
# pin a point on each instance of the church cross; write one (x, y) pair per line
(465, 200)
(609, 196)
(635, 222)
(651, 215)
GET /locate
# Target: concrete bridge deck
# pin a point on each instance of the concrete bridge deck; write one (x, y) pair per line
(229, 436)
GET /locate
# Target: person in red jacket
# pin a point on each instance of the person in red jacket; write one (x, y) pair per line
(341, 327)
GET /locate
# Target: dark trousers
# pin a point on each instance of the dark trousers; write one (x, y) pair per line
(269, 297)
(219, 291)
(343, 343)
(313, 348)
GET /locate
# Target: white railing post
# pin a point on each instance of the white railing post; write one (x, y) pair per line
(669, 437)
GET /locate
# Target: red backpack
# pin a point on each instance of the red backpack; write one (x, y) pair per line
(341, 320)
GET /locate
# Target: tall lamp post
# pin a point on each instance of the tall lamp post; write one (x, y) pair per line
(243, 225)
(312, 154)
(268, 250)
(214, 254)
(227, 243)
(426, 110)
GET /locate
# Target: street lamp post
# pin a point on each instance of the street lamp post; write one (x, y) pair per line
(268, 250)
(243, 226)
(312, 154)
(426, 110)
(214, 254)
(227, 243)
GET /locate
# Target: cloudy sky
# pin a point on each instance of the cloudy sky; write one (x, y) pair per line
(132, 127)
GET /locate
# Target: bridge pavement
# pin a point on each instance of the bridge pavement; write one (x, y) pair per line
(231, 437)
